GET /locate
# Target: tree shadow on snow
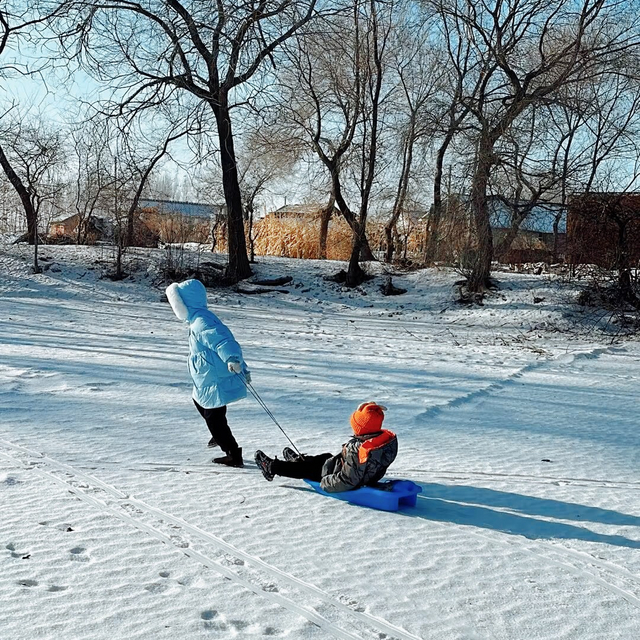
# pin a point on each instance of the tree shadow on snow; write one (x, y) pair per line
(474, 506)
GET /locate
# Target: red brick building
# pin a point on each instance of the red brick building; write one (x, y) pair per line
(601, 226)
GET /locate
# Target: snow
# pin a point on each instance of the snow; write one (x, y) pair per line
(518, 422)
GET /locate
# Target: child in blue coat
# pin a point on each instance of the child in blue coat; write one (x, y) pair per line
(216, 365)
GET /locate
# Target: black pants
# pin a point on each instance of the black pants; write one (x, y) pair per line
(309, 467)
(216, 420)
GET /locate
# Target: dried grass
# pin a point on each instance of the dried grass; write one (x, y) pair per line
(300, 238)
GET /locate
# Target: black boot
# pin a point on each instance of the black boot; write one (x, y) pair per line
(264, 463)
(290, 455)
(232, 459)
(212, 443)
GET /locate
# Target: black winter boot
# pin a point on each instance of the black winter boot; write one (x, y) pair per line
(232, 459)
(264, 463)
(290, 455)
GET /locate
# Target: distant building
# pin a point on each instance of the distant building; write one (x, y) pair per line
(194, 210)
(66, 229)
(536, 240)
(600, 225)
(176, 221)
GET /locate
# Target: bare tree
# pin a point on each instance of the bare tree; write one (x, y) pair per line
(23, 193)
(17, 21)
(459, 84)
(31, 153)
(418, 76)
(89, 148)
(528, 50)
(141, 168)
(333, 101)
(214, 51)
(322, 102)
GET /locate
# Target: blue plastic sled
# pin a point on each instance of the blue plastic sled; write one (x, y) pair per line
(386, 496)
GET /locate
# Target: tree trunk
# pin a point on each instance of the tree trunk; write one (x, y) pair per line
(481, 268)
(556, 226)
(365, 254)
(21, 190)
(436, 212)
(252, 251)
(622, 263)
(401, 194)
(325, 217)
(238, 267)
(355, 274)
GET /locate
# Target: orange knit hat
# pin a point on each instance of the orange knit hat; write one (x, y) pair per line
(367, 418)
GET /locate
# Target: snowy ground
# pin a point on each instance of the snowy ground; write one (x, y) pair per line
(114, 523)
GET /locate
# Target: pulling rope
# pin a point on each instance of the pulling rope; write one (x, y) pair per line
(268, 411)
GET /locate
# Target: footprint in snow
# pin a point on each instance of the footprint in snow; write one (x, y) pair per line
(164, 574)
(209, 614)
(28, 583)
(78, 554)
(238, 624)
(179, 542)
(54, 587)
(212, 621)
(17, 554)
(156, 587)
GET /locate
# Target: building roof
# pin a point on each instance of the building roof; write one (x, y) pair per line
(192, 209)
(540, 220)
(63, 217)
(299, 209)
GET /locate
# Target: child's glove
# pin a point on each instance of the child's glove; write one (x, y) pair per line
(234, 366)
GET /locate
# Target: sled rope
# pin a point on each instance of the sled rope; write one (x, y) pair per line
(268, 411)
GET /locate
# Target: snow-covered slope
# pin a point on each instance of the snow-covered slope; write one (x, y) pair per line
(115, 524)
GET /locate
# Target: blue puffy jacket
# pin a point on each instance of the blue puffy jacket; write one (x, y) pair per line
(211, 347)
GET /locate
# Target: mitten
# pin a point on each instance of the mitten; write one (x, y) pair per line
(234, 366)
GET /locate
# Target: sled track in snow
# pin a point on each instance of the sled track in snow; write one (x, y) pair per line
(453, 474)
(132, 511)
(546, 551)
(422, 473)
(499, 385)
(260, 580)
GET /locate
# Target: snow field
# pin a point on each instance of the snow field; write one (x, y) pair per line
(525, 443)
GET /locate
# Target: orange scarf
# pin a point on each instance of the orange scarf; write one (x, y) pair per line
(374, 443)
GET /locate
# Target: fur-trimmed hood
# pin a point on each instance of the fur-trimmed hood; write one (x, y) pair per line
(187, 298)
(211, 347)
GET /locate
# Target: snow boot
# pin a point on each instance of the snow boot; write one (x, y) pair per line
(264, 463)
(212, 443)
(232, 459)
(290, 455)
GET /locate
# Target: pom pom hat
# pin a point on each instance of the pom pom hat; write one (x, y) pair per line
(367, 418)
